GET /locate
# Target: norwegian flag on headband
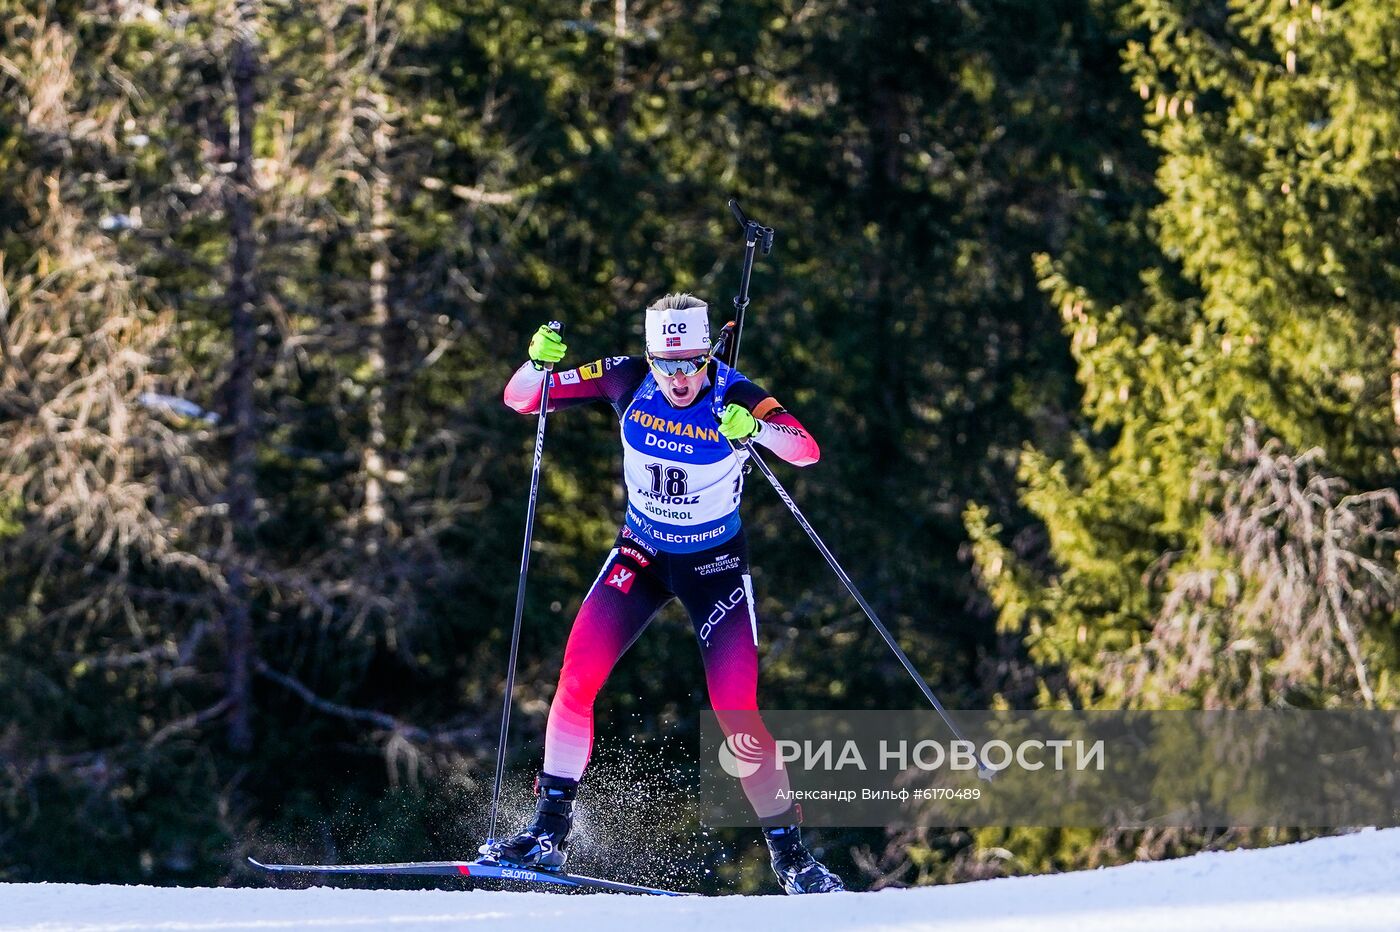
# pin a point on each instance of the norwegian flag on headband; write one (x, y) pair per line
(672, 341)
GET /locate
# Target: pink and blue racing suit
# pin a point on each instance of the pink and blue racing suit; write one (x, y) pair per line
(681, 538)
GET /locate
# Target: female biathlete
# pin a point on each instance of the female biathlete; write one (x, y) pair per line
(681, 539)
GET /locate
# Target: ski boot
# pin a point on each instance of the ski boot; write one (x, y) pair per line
(545, 843)
(797, 870)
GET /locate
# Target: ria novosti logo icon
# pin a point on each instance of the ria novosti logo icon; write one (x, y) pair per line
(740, 755)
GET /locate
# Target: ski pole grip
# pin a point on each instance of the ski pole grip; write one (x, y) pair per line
(738, 213)
(754, 231)
(557, 327)
(725, 333)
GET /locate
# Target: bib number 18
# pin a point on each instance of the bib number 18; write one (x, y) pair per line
(668, 480)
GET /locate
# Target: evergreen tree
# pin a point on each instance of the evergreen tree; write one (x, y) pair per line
(109, 584)
(1268, 299)
(1210, 540)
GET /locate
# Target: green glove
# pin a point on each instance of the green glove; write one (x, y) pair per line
(737, 423)
(546, 347)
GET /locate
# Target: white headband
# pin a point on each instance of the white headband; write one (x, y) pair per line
(678, 328)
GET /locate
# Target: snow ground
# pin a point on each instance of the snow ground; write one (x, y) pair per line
(1345, 883)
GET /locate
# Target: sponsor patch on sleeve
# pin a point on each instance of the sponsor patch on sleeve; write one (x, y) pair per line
(767, 408)
(591, 371)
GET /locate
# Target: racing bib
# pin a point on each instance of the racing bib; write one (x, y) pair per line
(684, 480)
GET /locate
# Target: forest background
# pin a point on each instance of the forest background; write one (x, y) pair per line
(1090, 303)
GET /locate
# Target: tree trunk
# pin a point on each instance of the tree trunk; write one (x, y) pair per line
(242, 302)
(1395, 387)
(620, 104)
(372, 461)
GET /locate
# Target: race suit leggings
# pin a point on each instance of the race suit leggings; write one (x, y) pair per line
(636, 582)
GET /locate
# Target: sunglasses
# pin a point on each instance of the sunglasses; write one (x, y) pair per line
(675, 367)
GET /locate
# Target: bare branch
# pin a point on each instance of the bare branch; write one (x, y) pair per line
(1294, 568)
(382, 720)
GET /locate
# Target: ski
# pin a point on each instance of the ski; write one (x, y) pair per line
(475, 869)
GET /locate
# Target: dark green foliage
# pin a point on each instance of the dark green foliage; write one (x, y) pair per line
(1264, 299)
(1220, 532)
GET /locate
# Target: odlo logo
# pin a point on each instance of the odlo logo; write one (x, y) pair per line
(740, 755)
(717, 613)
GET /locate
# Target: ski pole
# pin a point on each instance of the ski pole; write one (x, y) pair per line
(520, 591)
(754, 234)
(983, 771)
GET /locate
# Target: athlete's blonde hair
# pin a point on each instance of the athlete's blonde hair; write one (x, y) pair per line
(680, 300)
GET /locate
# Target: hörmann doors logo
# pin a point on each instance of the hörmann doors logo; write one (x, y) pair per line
(740, 755)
